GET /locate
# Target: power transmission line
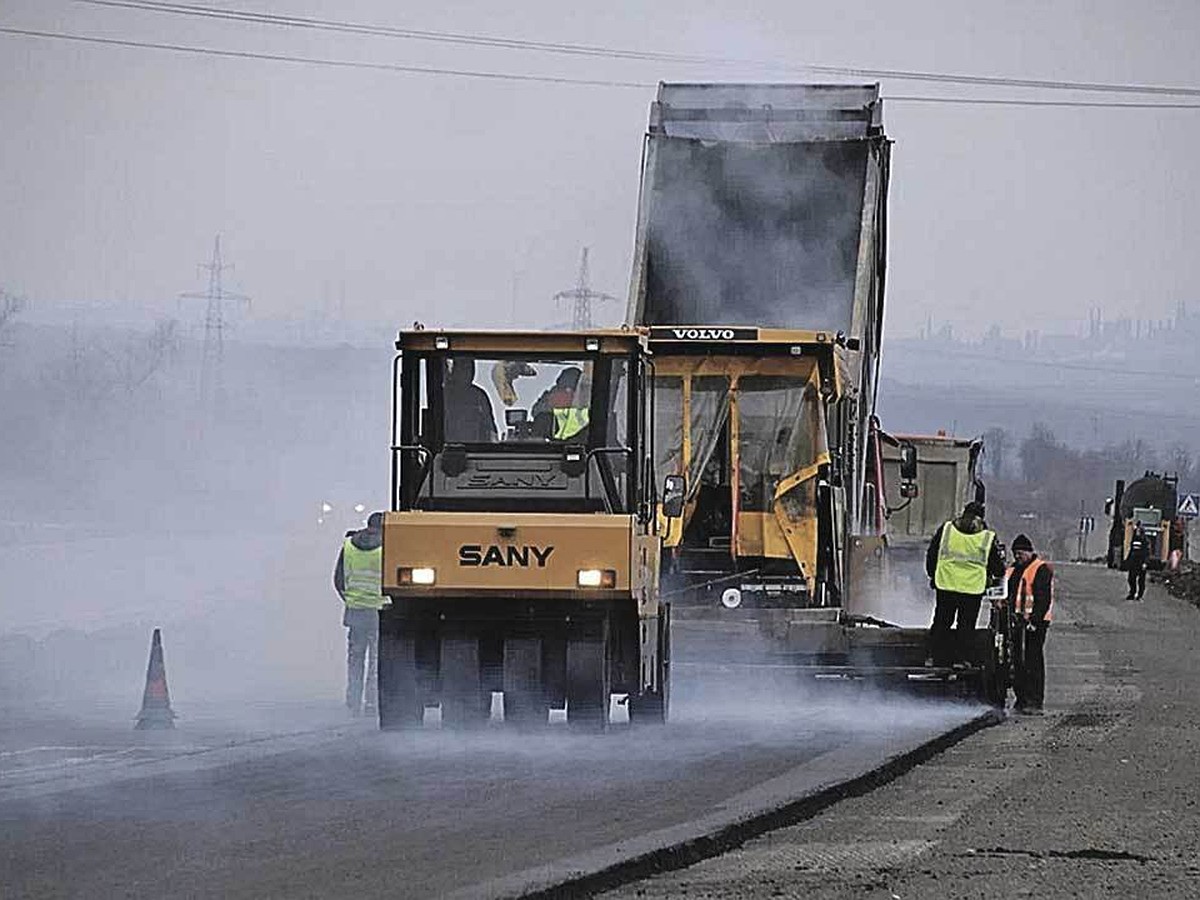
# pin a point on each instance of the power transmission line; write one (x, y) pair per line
(318, 61)
(599, 50)
(212, 385)
(984, 101)
(582, 296)
(513, 76)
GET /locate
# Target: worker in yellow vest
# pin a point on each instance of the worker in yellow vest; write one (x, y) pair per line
(962, 556)
(1031, 597)
(358, 579)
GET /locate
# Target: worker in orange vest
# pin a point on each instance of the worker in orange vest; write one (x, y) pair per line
(1031, 596)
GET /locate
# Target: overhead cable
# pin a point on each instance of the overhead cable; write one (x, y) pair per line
(521, 77)
(598, 50)
(1000, 101)
(318, 61)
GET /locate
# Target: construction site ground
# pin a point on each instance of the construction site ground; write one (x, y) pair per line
(309, 803)
(1098, 798)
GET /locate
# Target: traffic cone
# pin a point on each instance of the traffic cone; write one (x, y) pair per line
(156, 702)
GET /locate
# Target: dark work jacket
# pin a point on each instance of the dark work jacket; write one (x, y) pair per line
(1139, 552)
(1042, 582)
(966, 526)
(363, 539)
(469, 415)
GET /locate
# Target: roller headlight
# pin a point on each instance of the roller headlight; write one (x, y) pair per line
(596, 578)
(421, 575)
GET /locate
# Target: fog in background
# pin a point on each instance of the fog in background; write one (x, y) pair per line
(354, 202)
(382, 197)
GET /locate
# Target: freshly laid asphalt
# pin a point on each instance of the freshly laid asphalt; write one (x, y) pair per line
(1098, 798)
(313, 805)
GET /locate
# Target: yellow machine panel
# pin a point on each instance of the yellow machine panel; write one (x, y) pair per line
(506, 552)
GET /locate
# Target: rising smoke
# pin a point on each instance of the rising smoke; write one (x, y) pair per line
(754, 234)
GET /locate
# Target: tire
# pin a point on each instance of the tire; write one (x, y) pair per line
(588, 684)
(994, 679)
(524, 694)
(400, 705)
(465, 702)
(654, 707)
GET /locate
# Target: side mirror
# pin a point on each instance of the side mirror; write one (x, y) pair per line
(908, 471)
(908, 462)
(674, 494)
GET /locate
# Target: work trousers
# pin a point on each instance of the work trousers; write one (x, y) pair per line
(1137, 581)
(946, 646)
(362, 651)
(1029, 676)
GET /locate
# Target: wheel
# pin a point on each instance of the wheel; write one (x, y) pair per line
(465, 703)
(994, 678)
(399, 698)
(653, 707)
(524, 697)
(588, 676)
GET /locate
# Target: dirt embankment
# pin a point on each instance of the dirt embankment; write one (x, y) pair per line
(1184, 584)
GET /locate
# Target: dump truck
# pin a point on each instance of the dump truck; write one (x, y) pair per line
(941, 478)
(521, 552)
(927, 480)
(1151, 501)
(759, 268)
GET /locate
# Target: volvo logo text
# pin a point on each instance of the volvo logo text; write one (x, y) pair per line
(703, 334)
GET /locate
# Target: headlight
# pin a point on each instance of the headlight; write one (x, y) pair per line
(597, 578)
(423, 575)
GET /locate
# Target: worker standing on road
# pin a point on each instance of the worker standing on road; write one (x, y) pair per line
(1031, 595)
(358, 580)
(962, 556)
(1135, 563)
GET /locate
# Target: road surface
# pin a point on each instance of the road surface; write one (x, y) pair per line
(310, 804)
(1099, 798)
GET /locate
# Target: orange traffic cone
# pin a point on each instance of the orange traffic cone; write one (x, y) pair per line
(156, 702)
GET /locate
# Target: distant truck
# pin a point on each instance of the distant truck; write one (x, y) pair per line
(1152, 502)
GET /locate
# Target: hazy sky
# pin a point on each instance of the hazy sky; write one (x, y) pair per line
(418, 196)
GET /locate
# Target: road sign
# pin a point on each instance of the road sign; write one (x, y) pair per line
(1189, 506)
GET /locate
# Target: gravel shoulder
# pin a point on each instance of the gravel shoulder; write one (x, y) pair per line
(1098, 798)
